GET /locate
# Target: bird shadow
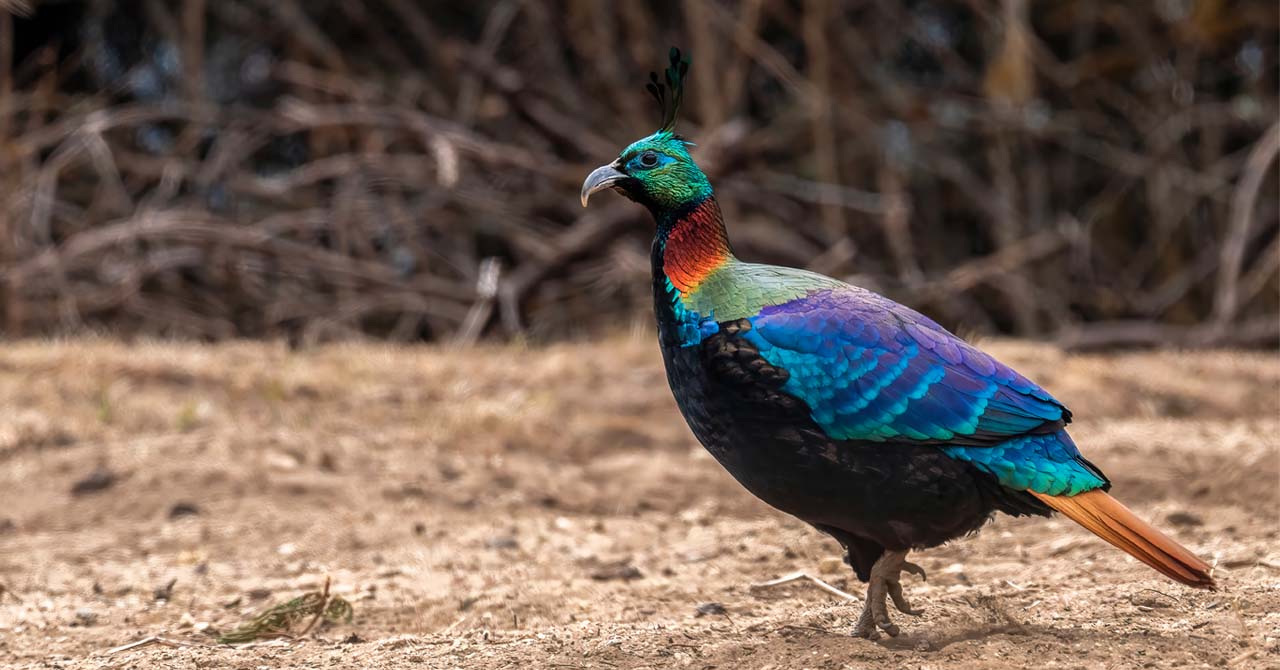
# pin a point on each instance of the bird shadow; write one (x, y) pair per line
(940, 641)
(934, 640)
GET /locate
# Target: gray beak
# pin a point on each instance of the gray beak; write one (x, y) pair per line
(600, 178)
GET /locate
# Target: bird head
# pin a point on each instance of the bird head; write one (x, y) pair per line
(656, 171)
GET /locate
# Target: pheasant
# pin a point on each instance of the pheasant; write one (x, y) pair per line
(856, 414)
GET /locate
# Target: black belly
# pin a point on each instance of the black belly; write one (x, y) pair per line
(897, 496)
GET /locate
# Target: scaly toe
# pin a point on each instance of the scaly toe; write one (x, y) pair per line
(900, 600)
(915, 570)
(888, 626)
(866, 632)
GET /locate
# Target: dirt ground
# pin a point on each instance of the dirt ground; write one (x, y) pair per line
(547, 508)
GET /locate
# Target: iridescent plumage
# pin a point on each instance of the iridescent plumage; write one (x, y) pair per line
(846, 409)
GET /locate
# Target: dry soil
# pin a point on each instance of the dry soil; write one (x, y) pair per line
(547, 508)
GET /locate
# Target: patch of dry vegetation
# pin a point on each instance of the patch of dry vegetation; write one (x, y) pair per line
(410, 170)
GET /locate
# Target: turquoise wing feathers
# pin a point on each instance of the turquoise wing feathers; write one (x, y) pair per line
(873, 371)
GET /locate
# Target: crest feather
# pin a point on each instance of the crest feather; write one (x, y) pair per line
(676, 74)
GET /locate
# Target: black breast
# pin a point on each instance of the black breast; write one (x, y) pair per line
(894, 495)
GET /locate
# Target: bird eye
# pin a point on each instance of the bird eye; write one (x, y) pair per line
(648, 159)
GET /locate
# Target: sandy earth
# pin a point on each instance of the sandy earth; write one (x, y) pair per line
(510, 508)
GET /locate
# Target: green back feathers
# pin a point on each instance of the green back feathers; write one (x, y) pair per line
(738, 290)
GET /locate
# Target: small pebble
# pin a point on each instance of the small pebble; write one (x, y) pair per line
(100, 479)
(183, 508)
(164, 591)
(502, 542)
(707, 609)
(623, 571)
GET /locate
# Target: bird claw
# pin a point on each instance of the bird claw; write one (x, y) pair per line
(889, 627)
(867, 632)
(895, 589)
(875, 618)
(886, 585)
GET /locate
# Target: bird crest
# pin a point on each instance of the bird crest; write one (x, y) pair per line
(670, 94)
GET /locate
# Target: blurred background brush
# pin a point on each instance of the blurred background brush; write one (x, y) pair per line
(1098, 173)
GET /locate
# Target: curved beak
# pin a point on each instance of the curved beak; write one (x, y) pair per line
(600, 178)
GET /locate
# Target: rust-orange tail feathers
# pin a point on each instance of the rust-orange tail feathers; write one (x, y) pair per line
(1107, 518)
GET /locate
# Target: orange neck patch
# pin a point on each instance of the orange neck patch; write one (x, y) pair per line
(695, 246)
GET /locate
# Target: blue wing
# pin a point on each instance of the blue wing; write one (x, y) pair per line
(871, 370)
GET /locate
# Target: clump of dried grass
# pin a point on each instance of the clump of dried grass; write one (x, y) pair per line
(293, 618)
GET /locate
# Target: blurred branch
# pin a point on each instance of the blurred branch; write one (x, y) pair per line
(1243, 203)
(817, 17)
(968, 275)
(824, 193)
(496, 25)
(19, 7)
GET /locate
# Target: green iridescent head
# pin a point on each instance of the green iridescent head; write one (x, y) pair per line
(657, 171)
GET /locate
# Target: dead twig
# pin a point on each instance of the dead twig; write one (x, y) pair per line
(148, 641)
(799, 576)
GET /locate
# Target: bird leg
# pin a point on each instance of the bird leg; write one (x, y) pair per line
(885, 583)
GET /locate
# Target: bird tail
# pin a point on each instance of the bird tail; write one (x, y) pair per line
(1110, 520)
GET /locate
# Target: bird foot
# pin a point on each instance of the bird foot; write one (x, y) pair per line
(885, 584)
